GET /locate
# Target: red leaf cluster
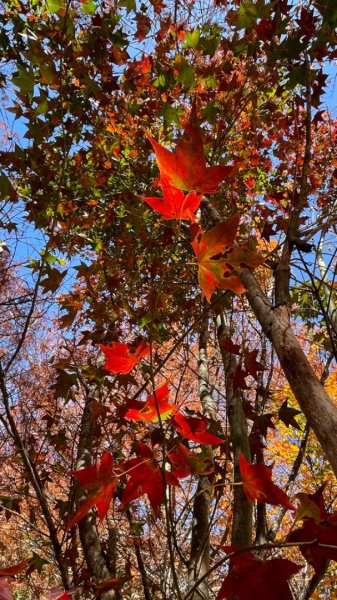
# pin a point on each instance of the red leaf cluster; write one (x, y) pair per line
(319, 529)
(251, 578)
(101, 481)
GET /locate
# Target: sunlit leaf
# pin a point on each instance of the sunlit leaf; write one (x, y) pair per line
(186, 168)
(195, 429)
(121, 358)
(156, 403)
(257, 484)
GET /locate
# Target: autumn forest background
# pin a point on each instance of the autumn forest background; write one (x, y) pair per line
(168, 320)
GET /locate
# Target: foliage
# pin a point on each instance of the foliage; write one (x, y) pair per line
(158, 350)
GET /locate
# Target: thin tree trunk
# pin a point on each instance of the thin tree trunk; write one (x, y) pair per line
(242, 509)
(200, 546)
(95, 558)
(326, 289)
(317, 406)
(35, 481)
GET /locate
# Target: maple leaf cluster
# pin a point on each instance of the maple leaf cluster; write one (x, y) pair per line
(144, 473)
(219, 256)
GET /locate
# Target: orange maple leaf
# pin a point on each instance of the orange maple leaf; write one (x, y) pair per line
(175, 204)
(195, 429)
(186, 463)
(101, 481)
(257, 484)
(216, 272)
(186, 168)
(121, 358)
(156, 403)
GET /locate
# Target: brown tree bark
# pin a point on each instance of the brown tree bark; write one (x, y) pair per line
(242, 526)
(200, 546)
(318, 408)
(95, 558)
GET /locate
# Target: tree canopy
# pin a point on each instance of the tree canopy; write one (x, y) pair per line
(168, 300)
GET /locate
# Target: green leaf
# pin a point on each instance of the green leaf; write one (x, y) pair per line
(24, 80)
(192, 38)
(161, 80)
(6, 188)
(128, 4)
(42, 107)
(88, 7)
(53, 6)
(37, 562)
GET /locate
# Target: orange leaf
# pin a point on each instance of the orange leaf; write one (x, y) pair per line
(307, 509)
(121, 358)
(195, 429)
(174, 204)
(257, 484)
(216, 272)
(101, 481)
(186, 168)
(187, 463)
(158, 402)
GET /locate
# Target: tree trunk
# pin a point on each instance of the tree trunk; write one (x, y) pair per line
(92, 549)
(318, 408)
(199, 555)
(242, 509)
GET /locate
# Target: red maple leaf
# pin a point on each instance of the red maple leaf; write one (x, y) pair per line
(100, 480)
(186, 168)
(216, 271)
(227, 344)
(186, 463)
(145, 478)
(239, 378)
(195, 429)
(15, 569)
(251, 364)
(257, 484)
(175, 204)
(319, 527)
(148, 411)
(121, 358)
(251, 578)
